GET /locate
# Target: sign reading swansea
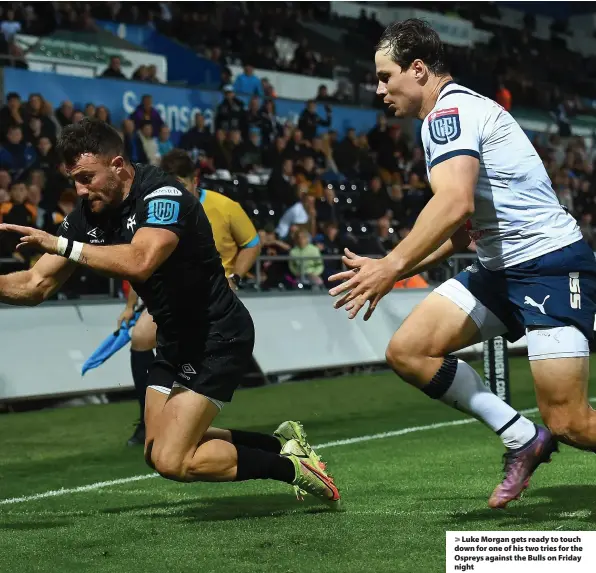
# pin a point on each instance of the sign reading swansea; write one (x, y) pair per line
(177, 106)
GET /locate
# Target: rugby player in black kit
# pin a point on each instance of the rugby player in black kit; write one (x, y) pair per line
(137, 223)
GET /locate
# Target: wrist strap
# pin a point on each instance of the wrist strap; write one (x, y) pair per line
(77, 249)
(69, 249)
(63, 245)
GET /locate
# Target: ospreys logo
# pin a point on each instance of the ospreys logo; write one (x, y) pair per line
(163, 212)
(444, 125)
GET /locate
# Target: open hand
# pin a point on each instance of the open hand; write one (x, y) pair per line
(33, 237)
(366, 280)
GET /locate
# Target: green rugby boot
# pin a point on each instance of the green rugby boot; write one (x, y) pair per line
(311, 476)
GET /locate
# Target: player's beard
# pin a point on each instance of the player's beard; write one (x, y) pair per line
(110, 197)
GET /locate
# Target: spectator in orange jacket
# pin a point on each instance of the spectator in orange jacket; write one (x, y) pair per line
(503, 97)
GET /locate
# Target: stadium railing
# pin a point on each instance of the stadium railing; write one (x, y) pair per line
(450, 268)
(444, 271)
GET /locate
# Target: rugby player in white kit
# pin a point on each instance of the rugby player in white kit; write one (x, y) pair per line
(535, 274)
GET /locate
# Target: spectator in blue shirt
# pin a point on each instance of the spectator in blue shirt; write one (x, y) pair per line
(248, 83)
(164, 143)
(16, 156)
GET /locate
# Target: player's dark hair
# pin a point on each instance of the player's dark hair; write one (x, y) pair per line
(89, 135)
(177, 162)
(414, 39)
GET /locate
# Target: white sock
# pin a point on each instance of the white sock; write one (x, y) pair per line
(469, 394)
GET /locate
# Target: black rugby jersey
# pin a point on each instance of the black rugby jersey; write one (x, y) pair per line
(188, 296)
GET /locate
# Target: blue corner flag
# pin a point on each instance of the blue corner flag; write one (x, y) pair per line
(111, 345)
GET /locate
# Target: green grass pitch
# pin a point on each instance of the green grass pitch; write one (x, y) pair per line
(400, 492)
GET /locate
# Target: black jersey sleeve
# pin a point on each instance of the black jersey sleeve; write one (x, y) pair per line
(73, 225)
(168, 208)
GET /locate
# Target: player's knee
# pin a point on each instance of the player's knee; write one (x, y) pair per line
(400, 355)
(169, 466)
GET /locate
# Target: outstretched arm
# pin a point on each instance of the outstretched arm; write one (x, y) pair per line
(456, 244)
(453, 182)
(136, 261)
(32, 287)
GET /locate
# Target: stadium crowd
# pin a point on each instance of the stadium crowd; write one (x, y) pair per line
(309, 192)
(362, 190)
(534, 70)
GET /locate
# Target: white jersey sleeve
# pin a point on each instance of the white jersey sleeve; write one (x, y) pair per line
(452, 130)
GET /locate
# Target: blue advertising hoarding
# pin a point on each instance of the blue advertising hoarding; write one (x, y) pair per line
(177, 106)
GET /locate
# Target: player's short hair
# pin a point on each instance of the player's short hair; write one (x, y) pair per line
(89, 135)
(177, 162)
(414, 39)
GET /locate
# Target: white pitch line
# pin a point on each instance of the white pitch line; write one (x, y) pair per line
(65, 491)
(403, 431)
(334, 444)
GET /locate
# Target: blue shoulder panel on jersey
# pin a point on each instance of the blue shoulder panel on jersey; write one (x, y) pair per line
(163, 212)
(253, 243)
(454, 153)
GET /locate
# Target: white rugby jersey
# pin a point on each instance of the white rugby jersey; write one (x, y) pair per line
(517, 214)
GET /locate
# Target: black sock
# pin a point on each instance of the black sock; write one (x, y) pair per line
(140, 362)
(259, 464)
(256, 440)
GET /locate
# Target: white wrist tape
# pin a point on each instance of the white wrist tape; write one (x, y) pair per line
(62, 244)
(77, 249)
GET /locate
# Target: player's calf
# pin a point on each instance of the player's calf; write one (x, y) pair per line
(211, 461)
(571, 429)
(571, 423)
(559, 359)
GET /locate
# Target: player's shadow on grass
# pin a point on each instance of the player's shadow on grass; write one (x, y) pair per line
(223, 508)
(562, 503)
